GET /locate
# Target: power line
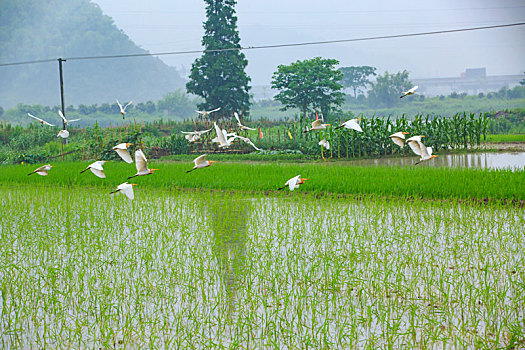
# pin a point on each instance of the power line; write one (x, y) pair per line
(78, 58)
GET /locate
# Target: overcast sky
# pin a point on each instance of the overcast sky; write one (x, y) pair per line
(176, 25)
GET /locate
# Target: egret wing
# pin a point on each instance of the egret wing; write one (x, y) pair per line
(215, 110)
(119, 105)
(40, 120)
(98, 172)
(199, 160)
(127, 190)
(424, 150)
(73, 120)
(293, 182)
(352, 124)
(398, 141)
(126, 106)
(62, 116)
(414, 145)
(141, 163)
(220, 135)
(237, 117)
(124, 154)
(316, 123)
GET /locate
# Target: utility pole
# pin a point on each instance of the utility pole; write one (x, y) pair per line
(60, 60)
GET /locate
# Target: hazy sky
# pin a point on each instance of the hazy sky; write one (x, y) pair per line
(176, 25)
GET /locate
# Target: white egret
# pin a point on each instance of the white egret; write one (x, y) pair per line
(239, 124)
(224, 142)
(206, 113)
(141, 163)
(409, 92)
(122, 151)
(247, 140)
(399, 138)
(123, 109)
(293, 183)
(126, 189)
(41, 121)
(419, 148)
(201, 162)
(63, 134)
(42, 171)
(96, 168)
(193, 136)
(324, 143)
(66, 122)
(351, 124)
(316, 125)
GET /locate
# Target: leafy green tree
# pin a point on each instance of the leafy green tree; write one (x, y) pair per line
(312, 83)
(357, 77)
(219, 76)
(386, 90)
(177, 103)
(522, 82)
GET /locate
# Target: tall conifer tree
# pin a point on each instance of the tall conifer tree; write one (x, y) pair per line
(219, 77)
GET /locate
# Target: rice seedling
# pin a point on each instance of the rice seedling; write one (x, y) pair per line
(80, 269)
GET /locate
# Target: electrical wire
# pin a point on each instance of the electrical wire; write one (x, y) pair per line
(78, 58)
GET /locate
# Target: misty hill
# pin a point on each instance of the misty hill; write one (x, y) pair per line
(48, 29)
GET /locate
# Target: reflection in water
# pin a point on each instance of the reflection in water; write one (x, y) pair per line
(228, 220)
(496, 160)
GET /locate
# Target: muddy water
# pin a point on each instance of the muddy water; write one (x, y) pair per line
(493, 160)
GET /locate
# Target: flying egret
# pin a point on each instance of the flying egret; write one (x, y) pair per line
(351, 124)
(126, 189)
(41, 121)
(42, 171)
(239, 124)
(123, 109)
(221, 137)
(293, 183)
(66, 122)
(193, 136)
(419, 148)
(399, 138)
(324, 143)
(96, 168)
(141, 163)
(409, 92)
(122, 151)
(63, 134)
(206, 113)
(316, 125)
(247, 140)
(201, 162)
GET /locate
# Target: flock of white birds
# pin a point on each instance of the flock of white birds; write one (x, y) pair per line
(224, 139)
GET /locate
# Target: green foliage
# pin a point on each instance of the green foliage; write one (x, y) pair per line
(220, 77)
(306, 84)
(388, 87)
(356, 77)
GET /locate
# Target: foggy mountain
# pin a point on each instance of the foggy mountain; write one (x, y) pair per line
(48, 29)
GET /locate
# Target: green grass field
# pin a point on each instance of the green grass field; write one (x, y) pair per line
(505, 138)
(421, 181)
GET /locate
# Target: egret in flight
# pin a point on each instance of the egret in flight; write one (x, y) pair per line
(207, 113)
(126, 189)
(351, 124)
(247, 140)
(239, 124)
(123, 109)
(42, 171)
(324, 143)
(41, 121)
(122, 151)
(141, 163)
(409, 92)
(419, 148)
(222, 135)
(201, 162)
(96, 168)
(63, 134)
(316, 125)
(399, 138)
(193, 136)
(293, 183)
(66, 122)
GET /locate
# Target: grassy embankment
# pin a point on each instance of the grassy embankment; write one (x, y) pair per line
(421, 181)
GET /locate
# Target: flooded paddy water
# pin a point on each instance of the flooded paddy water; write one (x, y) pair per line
(80, 269)
(484, 160)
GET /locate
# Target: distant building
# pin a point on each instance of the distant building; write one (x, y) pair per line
(472, 81)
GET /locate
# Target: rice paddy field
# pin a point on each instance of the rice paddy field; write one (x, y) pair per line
(344, 262)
